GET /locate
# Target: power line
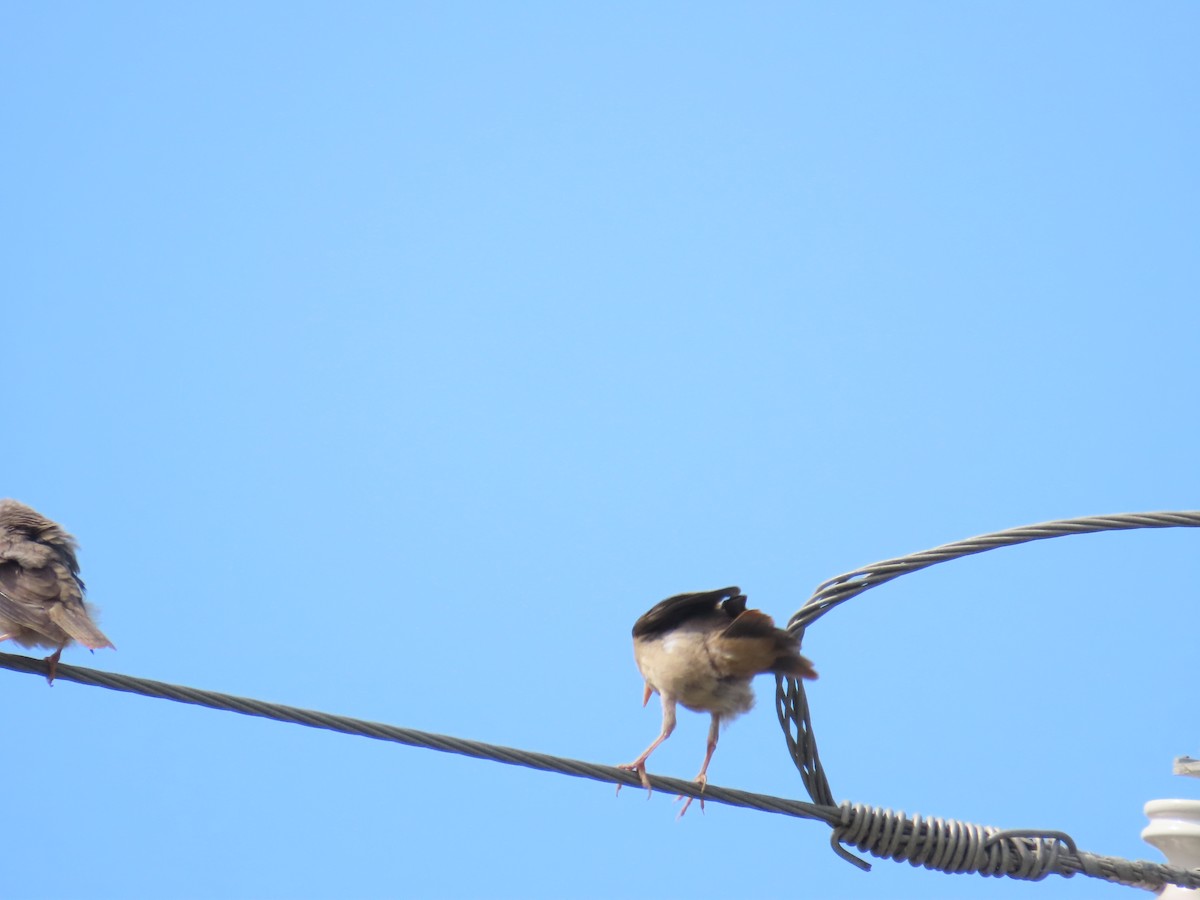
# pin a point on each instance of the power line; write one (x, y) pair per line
(411, 737)
(946, 845)
(841, 588)
(1017, 854)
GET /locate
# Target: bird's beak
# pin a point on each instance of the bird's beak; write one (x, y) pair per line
(646, 694)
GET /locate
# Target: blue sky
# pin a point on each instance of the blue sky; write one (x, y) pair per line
(391, 359)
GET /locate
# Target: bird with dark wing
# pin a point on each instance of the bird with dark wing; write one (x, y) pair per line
(41, 594)
(702, 650)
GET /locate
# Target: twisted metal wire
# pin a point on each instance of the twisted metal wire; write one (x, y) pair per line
(933, 843)
(413, 738)
(841, 588)
(950, 845)
(943, 844)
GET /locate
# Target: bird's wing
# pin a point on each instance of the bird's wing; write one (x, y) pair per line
(26, 593)
(40, 598)
(674, 611)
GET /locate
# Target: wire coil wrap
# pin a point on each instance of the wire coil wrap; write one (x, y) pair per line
(948, 845)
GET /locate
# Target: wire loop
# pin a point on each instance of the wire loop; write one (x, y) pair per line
(946, 845)
(950, 845)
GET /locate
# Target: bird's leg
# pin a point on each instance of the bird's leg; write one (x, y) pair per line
(52, 662)
(714, 730)
(668, 725)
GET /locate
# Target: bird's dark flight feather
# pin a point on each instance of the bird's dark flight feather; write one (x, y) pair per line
(674, 611)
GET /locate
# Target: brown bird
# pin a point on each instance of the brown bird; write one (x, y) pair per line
(41, 594)
(703, 650)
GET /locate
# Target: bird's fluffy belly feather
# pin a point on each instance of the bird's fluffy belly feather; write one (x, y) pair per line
(26, 637)
(680, 666)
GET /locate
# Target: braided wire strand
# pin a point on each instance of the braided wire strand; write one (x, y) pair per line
(512, 756)
(933, 843)
(950, 845)
(839, 589)
(946, 845)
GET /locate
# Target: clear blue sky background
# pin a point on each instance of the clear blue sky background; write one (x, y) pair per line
(391, 359)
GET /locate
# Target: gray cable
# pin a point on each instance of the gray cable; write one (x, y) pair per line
(841, 588)
(1016, 854)
(949, 845)
(413, 738)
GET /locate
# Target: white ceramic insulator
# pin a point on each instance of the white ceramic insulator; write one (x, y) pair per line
(1175, 830)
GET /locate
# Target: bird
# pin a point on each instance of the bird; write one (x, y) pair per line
(702, 650)
(41, 593)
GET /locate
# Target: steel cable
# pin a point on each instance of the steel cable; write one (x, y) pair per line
(950, 845)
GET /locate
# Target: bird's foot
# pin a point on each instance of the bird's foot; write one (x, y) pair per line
(638, 766)
(701, 780)
(52, 665)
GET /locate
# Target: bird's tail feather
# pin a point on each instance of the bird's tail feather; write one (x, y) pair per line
(79, 626)
(790, 662)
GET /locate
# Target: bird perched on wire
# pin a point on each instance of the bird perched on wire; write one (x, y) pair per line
(41, 594)
(702, 650)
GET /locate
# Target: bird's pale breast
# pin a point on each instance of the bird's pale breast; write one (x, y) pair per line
(679, 665)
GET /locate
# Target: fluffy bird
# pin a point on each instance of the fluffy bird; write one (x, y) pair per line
(702, 650)
(41, 594)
